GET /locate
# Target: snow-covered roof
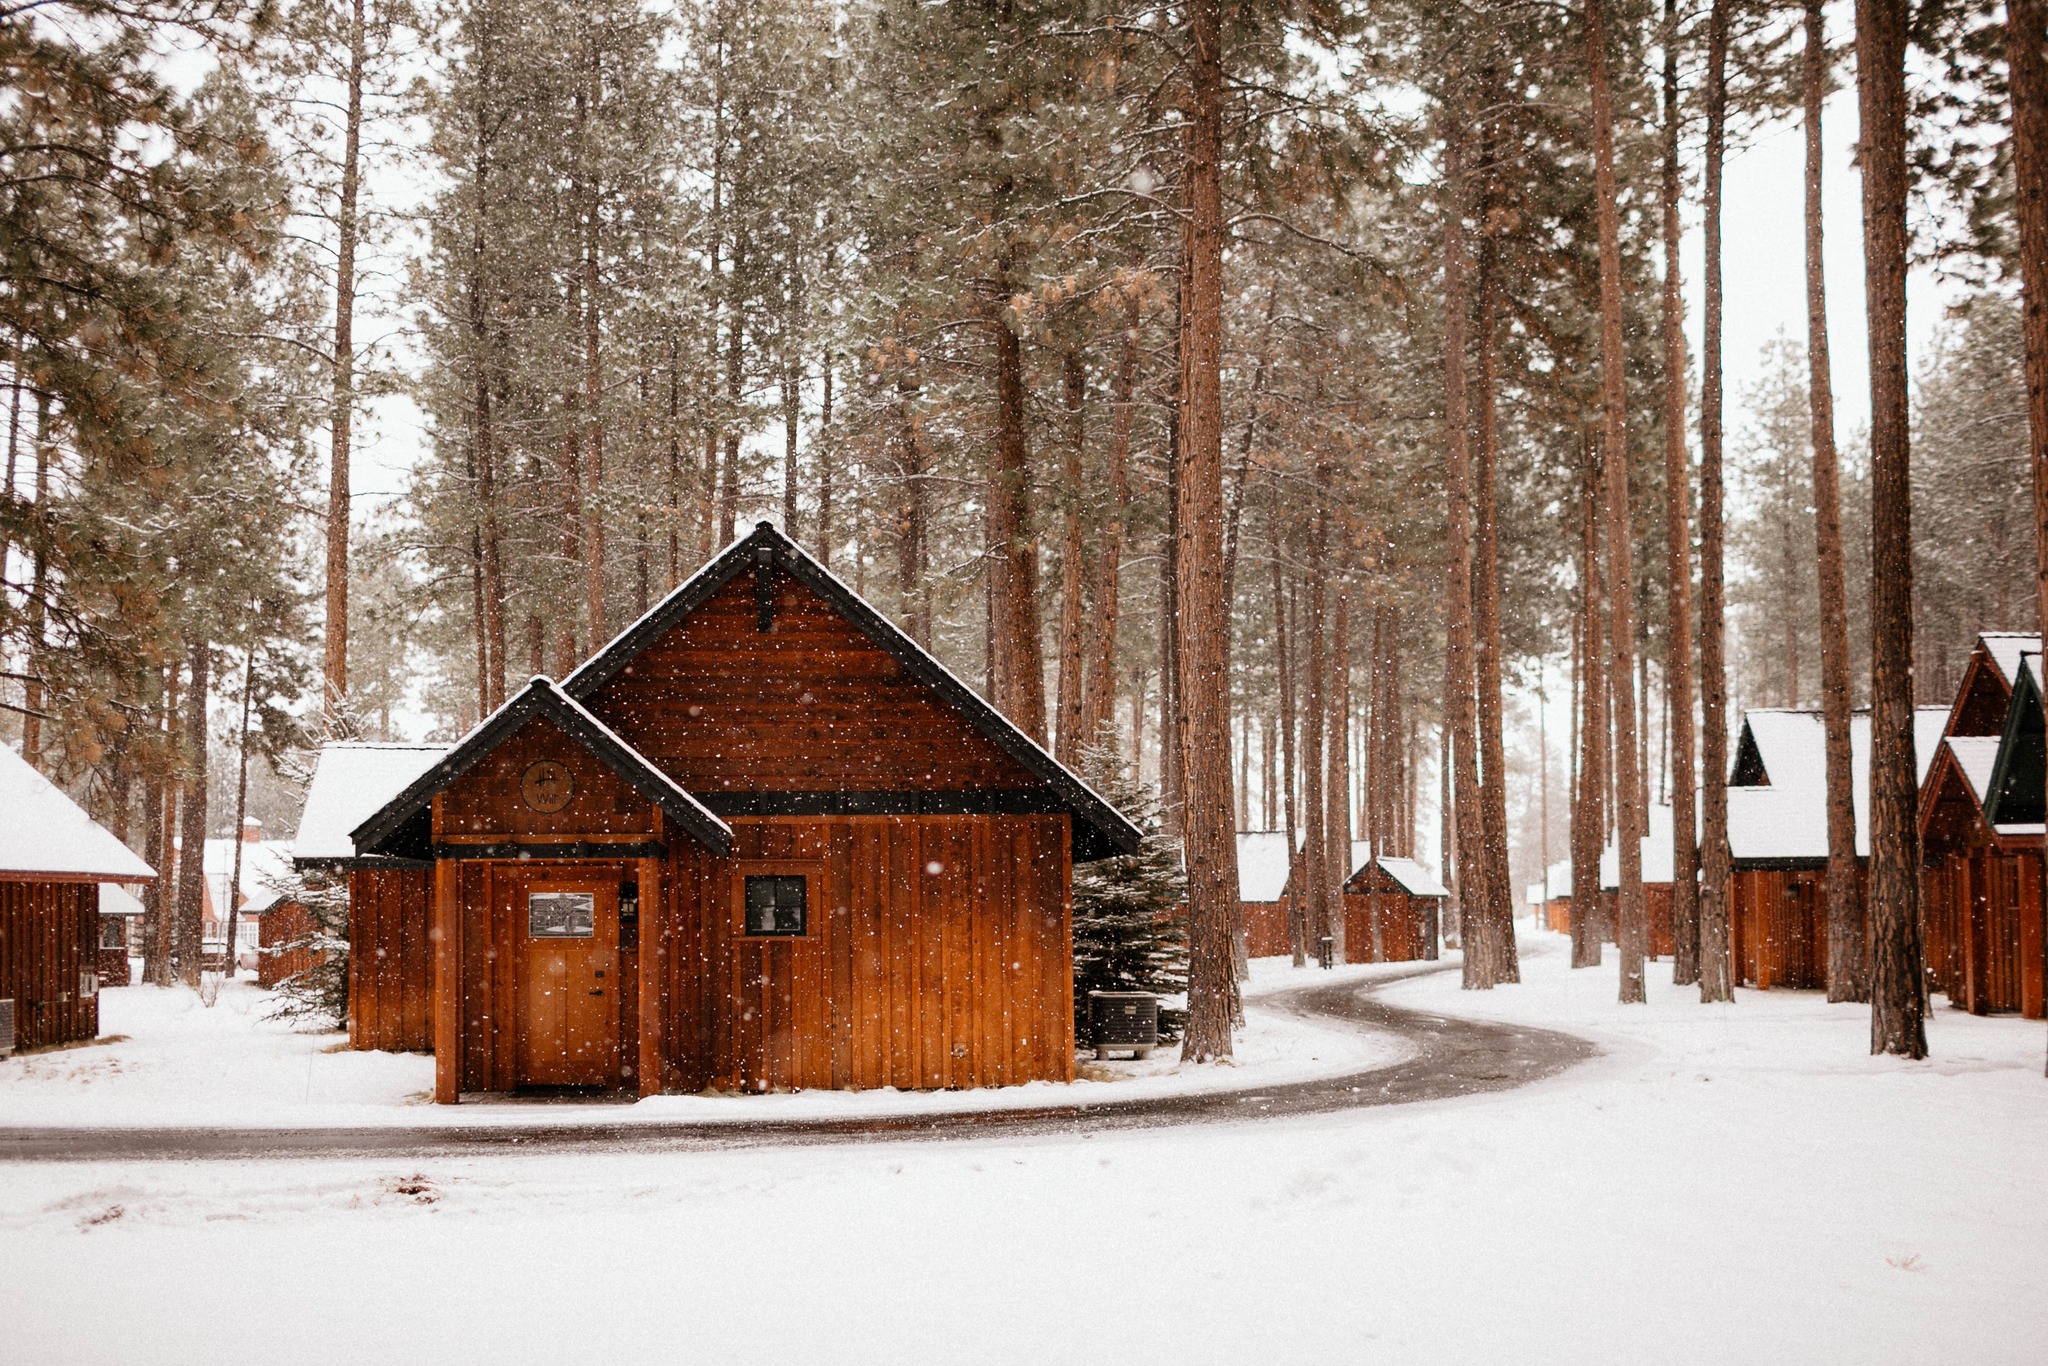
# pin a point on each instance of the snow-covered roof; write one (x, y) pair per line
(1413, 877)
(1658, 855)
(1975, 754)
(1786, 818)
(2005, 649)
(1262, 865)
(118, 900)
(351, 781)
(265, 863)
(46, 834)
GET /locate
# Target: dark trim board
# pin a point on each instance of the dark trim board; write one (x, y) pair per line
(541, 853)
(374, 863)
(1100, 830)
(1025, 803)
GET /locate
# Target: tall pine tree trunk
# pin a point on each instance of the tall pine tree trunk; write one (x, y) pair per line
(1337, 793)
(1499, 910)
(1314, 721)
(1717, 964)
(1283, 649)
(1898, 986)
(1098, 703)
(1069, 732)
(1678, 699)
(342, 400)
(2027, 79)
(189, 922)
(1632, 934)
(1589, 812)
(1481, 962)
(1848, 952)
(593, 372)
(1203, 609)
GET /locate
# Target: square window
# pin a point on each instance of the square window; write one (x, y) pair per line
(775, 905)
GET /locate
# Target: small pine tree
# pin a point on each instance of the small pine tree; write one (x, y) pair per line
(317, 995)
(1130, 911)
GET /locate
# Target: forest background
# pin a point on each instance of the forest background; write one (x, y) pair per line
(362, 358)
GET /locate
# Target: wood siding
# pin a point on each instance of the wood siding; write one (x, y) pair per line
(484, 805)
(390, 972)
(1982, 911)
(1265, 928)
(49, 935)
(938, 955)
(1407, 926)
(285, 923)
(1778, 923)
(811, 705)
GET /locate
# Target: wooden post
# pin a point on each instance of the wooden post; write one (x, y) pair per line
(653, 962)
(447, 945)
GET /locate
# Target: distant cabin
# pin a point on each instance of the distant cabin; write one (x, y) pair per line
(1262, 870)
(1659, 858)
(1981, 832)
(54, 860)
(1778, 838)
(1550, 901)
(1393, 908)
(761, 840)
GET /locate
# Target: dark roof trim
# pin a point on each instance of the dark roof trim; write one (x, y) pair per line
(372, 863)
(541, 698)
(1112, 833)
(2020, 754)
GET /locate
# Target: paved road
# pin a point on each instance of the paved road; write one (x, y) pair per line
(1453, 1057)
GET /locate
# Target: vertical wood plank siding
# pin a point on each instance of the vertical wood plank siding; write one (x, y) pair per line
(390, 972)
(49, 933)
(1982, 909)
(284, 923)
(936, 956)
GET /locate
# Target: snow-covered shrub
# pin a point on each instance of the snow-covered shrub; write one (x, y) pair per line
(1130, 911)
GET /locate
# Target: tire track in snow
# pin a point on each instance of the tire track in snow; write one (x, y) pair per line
(1452, 1057)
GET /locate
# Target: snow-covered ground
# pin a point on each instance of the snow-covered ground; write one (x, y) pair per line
(1728, 1184)
(173, 1062)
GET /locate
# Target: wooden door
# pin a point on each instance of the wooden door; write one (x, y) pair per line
(567, 930)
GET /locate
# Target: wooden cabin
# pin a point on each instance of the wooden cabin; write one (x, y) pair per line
(1262, 906)
(1981, 833)
(1393, 911)
(120, 912)
(1659, 859)
(53, 860)
(1778, 839)
(761, 840)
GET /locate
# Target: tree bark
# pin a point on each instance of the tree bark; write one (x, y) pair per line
(2027, 79)
(1589, 811)
(342, 399)
(1898, 987)
(1337, 792)
(1848, 951)
(188, 926)
(1203, 609)
(1070, 733)
(593, 372)
(1632, 934)
(1099, 694)
(824, 462)
(1297, 873)
(1481, 961)
(1678, 677)
(36, 612)
(1493, 795)
(1717, 964)
(1314, 720)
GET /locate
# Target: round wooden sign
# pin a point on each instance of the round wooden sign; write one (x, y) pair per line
(546, 786)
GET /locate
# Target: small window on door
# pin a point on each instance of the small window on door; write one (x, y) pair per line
(775, 905)
(113, 933)
(561, 915)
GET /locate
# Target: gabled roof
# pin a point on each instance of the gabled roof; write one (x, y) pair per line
(1780, 814)
(47, 835)
(541, 698)
(2005, 649)
(1659, 858)
(1106, 830)
(1262, 865)
(1975, 757)
(351, 780)
(2014, 793)
(1415, 879)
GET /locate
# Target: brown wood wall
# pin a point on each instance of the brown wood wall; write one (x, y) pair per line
(1404, 922)
(390, 971)
(939, 955)
(1265, 928)
(1778, 924)
(283, 924)
(811, 705)
(49, 933)
(1982, 912)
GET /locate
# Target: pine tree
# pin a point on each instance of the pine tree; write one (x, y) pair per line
(1130, 911)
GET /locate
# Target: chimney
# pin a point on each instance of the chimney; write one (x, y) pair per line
(252, 830)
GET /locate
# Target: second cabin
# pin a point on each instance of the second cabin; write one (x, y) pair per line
(761, 840)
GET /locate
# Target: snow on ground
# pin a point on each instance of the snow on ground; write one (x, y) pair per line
(1725, 1184)
(183, 1064)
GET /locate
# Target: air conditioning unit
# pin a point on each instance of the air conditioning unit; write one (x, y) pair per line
(88, 984)
(6, 1028)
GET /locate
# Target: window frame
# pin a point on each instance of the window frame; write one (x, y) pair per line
(813, 873)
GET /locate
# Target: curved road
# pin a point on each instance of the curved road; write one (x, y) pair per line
(1453, 1057)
